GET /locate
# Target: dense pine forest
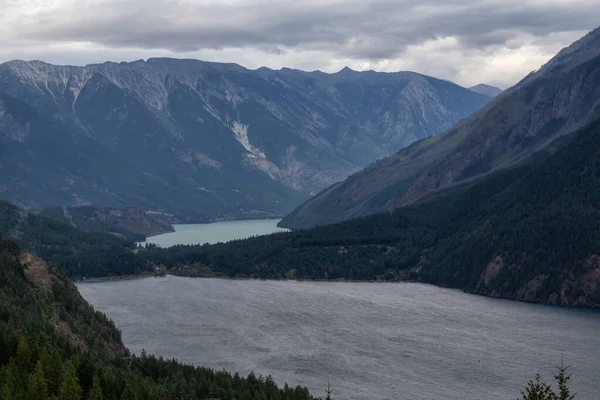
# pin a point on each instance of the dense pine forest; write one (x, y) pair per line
(53, 345)
(529, 233)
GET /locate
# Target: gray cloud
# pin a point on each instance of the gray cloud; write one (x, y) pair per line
(354, 28)
(370, 33)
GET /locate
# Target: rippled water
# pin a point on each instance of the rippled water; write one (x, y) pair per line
(216, 232)
(370, 340)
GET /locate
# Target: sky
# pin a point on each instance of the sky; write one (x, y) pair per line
(495, 42)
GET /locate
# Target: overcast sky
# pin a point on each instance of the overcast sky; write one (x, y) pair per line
(466, 41)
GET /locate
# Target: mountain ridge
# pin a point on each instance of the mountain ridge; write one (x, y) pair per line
(210, 134)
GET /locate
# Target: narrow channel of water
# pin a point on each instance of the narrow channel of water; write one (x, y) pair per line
(216, 232)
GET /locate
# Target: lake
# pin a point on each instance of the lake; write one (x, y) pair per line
(370, 340)
(216, 232)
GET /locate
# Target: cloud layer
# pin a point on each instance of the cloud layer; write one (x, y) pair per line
(468, 41)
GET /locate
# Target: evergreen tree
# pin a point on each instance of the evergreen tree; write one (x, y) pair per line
(12, 388)
(562, 379)
(538, 390)
(24, 356)
(37, 389)
(328, 391)
(96, 390)
(69, 388)
(53, 370)
(128, 393)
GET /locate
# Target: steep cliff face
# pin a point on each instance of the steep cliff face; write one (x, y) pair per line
(203, 139)
(522, 122)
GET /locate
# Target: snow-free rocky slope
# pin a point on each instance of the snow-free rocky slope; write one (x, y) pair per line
(520, 125)
(205, 140)
(487, 90)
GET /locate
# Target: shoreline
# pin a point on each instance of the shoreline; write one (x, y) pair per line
(114, 278)
(375, 281)
(160, 233)
(238, 278)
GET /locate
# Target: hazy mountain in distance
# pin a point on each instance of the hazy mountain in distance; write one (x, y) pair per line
(204, 140)
(523, 121)
(487, 90)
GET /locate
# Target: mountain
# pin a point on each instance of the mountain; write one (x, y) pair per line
(487, 90)
(53, 344)
(520, 125)
(527, 233)
(204, 141)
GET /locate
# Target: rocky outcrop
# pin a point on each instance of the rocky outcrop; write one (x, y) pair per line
(574, 288)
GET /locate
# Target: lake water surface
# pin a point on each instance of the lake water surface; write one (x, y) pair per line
(216, 232)
(370, 340)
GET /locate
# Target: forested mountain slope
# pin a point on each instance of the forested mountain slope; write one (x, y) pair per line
(530, 233)
(130, 222)
(521, 123)
(54, 345)
(204, 140)
(79, 253)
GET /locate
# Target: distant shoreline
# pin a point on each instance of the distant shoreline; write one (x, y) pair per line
(341, 280)
(114, 278)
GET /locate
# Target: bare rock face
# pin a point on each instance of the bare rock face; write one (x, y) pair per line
(519, 125)
(205, 140)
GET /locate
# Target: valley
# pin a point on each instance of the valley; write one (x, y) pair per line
(389, 235)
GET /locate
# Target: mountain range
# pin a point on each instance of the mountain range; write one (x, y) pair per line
(205, 141)
(523, 124)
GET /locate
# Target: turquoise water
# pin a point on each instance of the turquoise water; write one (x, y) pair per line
(216, 232)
